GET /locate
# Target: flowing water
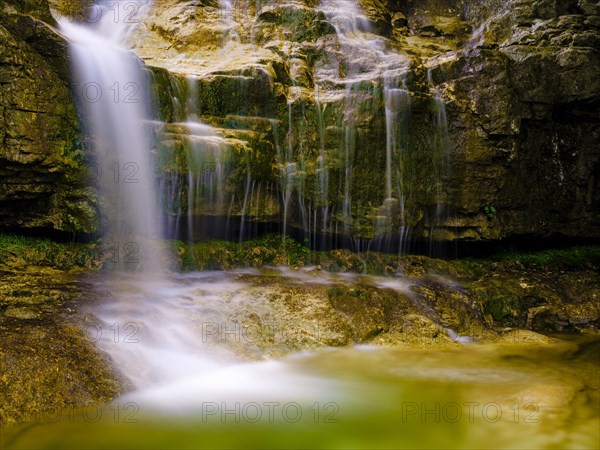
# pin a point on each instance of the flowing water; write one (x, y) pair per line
(441, 159)
(112, 92)
(199, 378)
(191, 347)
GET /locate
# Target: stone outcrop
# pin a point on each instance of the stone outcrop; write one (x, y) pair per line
(523, 108)
(41, 154)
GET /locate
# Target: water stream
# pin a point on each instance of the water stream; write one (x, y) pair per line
(113, 97)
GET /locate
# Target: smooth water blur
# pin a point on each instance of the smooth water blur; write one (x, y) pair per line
(189, 391)
(196, 379)
(112, 94)
(481, 397)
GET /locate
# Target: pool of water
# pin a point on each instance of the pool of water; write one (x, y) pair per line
(187, 391)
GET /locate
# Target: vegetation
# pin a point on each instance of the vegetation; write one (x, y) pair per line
(571, 258)
(276, 250)
(19, 251)
(489, 211)
(268, 250)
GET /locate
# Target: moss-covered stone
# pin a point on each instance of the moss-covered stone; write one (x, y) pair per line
(41, 149)
(518, 141)
(48, 362)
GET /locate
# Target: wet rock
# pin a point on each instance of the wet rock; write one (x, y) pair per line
(369, 311)
(48, 362)
(518, 82)
(524, 337)
(34, 8)
(399, 20)
(40, 149)
(416, 331)
(75, 9)
(429, 31)
(500, 111)
(273, 312)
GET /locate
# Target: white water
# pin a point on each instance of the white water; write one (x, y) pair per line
(397, 112)
(174, 368)
(155, 327)
(193, 183)
(368, 65)
(229, 22)
(112, 88)
(177, 341)
(205, 164)
(441, 160)
(364, 53)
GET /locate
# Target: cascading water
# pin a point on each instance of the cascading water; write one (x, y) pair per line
(397, 112)
(323, 174)
(205, 164)
(152, 305)
(228, 21)
(164, 319)
(112, 93)
(366, 58)
(193, 163)
(440, 157)
(164, 333)
(153, 325)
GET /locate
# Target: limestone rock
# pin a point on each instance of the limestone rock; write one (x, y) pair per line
(42, 158)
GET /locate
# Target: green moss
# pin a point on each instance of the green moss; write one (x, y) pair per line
(73, 9)
(271, 249)
(572, 258)
(18, 250)
(48, 362)
(489, 211)
(48, 367)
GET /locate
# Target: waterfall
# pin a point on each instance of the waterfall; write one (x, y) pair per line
(193, 163)
(205, 163)
(155, 327)
(397, 104)
(229, 22)
(392, 211)
(369, 68)
(440, 158)
(322, 176)
(111, 89)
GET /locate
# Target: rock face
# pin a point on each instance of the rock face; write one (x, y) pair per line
(453, 119)
(41, 156)
(48, 363)
(524, 119)
(498, 136)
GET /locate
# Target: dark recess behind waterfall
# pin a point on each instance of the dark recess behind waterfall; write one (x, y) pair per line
(228, 228)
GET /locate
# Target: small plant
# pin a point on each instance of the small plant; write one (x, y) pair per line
(489, 211)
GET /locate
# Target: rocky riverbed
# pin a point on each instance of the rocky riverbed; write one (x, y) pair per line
(52, 356)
